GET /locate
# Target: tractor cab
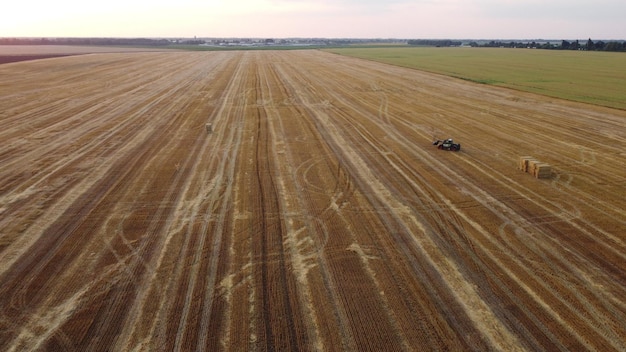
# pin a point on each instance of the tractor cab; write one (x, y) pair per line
(447, 144)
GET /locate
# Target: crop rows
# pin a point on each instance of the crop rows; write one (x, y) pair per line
(316, 215)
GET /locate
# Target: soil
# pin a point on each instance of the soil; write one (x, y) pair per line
(316, 215)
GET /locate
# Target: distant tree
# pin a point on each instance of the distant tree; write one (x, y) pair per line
(599, 45)
(614, 46)
(570, 46)
(590, 45)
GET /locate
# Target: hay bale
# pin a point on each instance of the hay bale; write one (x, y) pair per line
(209, 127)
(542, 170)
(524, 162)
(532, 166)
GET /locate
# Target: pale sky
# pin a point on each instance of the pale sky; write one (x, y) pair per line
(406, 19)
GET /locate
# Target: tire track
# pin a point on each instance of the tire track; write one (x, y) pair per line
(277, 308)
(307, 243)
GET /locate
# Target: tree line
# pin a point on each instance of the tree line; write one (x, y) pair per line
(564, 45)
(85, 41)
(590, 45)
(434, 42)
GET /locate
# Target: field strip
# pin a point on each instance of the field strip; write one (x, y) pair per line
(302, 245)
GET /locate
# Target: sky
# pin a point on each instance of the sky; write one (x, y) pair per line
(403, 19)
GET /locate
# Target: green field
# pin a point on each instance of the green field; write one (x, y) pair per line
(585, 76)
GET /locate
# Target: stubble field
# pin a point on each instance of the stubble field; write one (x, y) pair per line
(317, 214)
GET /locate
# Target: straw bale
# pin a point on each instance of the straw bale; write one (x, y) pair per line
(524, 162)
(532, 166)
(542, 170)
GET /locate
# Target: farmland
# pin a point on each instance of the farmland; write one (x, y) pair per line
(590, 77)
(316, 215)
(16, 53)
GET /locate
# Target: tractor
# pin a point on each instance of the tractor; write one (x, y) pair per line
(447, 144)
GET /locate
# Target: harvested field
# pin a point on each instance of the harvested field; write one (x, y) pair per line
(16, 53)
(314, 214)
